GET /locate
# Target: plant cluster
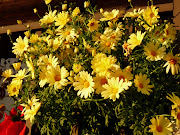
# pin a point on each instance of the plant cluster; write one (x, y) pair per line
(96, 69)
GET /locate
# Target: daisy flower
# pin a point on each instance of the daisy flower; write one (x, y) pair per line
(93, 25)
(112, 89)
(49, 18)
(176, 114)
(154, 53)
(34, 38)
(106, 45)
(135, 39)
(99, 82)
(57, 77)
(83, 84)
(141, 82)
(170, 32)
(14, 87)
(42, 77)
(62, 19)
(7, 73)
(160, 126)
(20, 46)
(172, 63)
(20, 75)
(175, 99)
(30, 113)
(113, 15)
(76, 11)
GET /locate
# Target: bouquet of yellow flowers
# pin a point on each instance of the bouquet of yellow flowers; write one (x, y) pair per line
(92, 69)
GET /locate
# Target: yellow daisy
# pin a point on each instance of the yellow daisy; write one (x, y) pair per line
(135, 39)
(113, 15)
(62, 19)
(103, 65)
(172, 63)
(7, 73)
(135, 14)
(160, 126)
(106, 45)
(31, 67)
(57, 77)
(141, 82)
(176, 114)
(20, 46)
(48, 62)
(77, 67)
(47, 1)
(150, 15)
(93, 25)
(20, 75)
(76, 11)
(34, 38)
(99, 82)
(30, 113)
(49, 18)
(154, 53)
(83, 84)
(68, 34)
(14, 87)
(17, 66)
(112, 89)
(175, 99)
(170, 32)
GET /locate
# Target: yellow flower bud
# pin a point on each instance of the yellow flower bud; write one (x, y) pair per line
(86, 4)
(71, 73)
(76, 11)
(9, 32)
(76, 50)
(19, 22)
(47, 1)
(50, 42)
(101, 10)
(27, 34)
(77, 68)
(28, 26)
(93, 52)
(129, 1)
(35, 10)
(64, 6)
(17, 66)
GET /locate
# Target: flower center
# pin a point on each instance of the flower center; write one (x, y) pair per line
(108, 44)
(121, 77)
(152, 15)
(178, 116)
(57, 78)
(92, 24)
(67, 33)
(86, 84)
(173, 61)
(153, 53)
(113, 37)
(159, 128)
(103, 81)
(115, 90)
(141, 85)
(14, 90)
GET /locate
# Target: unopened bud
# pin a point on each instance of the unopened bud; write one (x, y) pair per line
(64, 6)
(71, 73)
(19, 22)
(47, 1)
(9, 32)
(27, 34)
(86, 4)
(101, 10)
(76, 50)
(129, 1)
(35, 10)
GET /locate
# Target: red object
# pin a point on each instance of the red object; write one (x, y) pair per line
(20, 107)
(8, 127)
(13, 112)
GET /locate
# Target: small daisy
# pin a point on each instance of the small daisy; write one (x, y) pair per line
(160, 126)
(83, 84)
(113, 15)
(49, 18)
(62, 19)
(93, 25)
(112, 89)
(14, 87)
(7, 73)
(141, 82)
(175, 99)
(57, 77)
(135, 39)
(172, 63)
(20, 75)
(154, 53)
